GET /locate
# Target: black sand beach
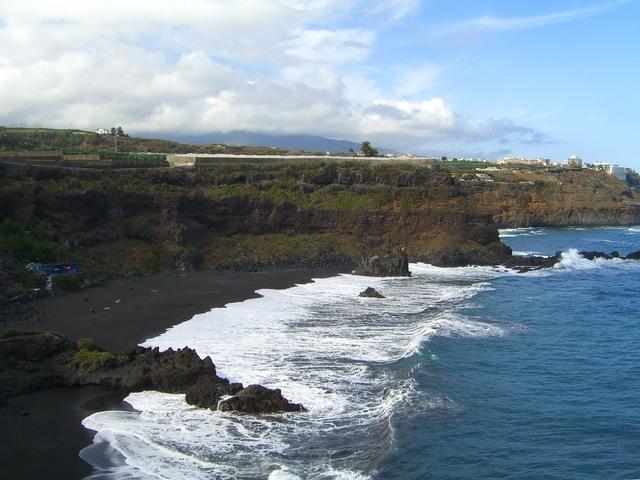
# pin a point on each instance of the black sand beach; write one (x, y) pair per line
(42, 434)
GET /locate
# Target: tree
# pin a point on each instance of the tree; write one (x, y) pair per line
(367, 150)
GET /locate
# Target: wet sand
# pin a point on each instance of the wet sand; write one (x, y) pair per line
(42, 433)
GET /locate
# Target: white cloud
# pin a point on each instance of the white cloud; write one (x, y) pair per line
(203, 66)
(330, 46)
(494, 23)
(398, 9)
(413, 81)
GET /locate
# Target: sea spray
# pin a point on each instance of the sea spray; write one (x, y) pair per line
(324, 347)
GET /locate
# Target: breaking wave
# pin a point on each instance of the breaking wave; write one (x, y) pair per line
(323, 346)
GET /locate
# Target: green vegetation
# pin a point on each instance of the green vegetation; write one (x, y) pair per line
(86, 343)
(367, 150)
(25, 245)
(72, 141)
(90, 359)
(462, 166)
(633, 178)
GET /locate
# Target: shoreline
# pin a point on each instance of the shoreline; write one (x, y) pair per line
(46, 424)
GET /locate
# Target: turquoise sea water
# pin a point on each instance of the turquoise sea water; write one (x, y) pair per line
(467, 373)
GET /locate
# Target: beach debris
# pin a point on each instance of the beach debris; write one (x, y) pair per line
(92, 310)
(106, 308)
(117, 300)
(155, 291)
(371, 292)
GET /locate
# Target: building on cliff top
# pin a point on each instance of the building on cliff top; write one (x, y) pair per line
(533, 162)
(615, 170)
(574, 161)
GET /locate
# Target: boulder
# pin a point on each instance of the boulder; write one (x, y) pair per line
(593, 254)
(371, 292)
(386, 266)
(208, 390)
(633, 256)
(259, 399)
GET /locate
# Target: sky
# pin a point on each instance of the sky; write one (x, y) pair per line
(490, 78)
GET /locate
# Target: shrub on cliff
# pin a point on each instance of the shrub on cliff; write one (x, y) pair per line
(23, 245)
(90, 359)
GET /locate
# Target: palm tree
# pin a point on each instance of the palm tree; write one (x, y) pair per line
(367, 150)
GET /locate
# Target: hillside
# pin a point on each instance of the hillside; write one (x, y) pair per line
(309, 143)
(77, 141)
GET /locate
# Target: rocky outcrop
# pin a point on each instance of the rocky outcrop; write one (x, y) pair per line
(209, 390)
(371, 292)
(555, 198)
(31, 361)
(385, 266)
(592, 255)
(496, 254)
(258, 399)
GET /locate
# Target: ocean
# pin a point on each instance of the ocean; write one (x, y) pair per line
(463, 373)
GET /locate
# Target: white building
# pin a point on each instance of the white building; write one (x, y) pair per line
(536, 162)
(616, 170)
(101, 131)
(619, 172)
(574, 161)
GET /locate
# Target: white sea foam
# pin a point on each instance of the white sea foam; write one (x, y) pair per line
(571, 260)
(529, 254)
(324, 347)
(521, 232)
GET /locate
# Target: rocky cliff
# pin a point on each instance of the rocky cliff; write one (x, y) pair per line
(244, 217)
(560, 198)
(247, 217)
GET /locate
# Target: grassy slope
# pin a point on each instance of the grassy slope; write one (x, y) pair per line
(77, 141)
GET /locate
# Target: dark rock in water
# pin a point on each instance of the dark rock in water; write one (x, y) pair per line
(633, 256)
(259, 399)
(525, 263)
(31, 361)
(169, 371)
(615, 254)
(385, 266)
(208, 391)
(592, 255)
(371, 293)
(460, 257)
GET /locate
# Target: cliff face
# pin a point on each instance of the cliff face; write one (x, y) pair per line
(564, 198)
(246, 217)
